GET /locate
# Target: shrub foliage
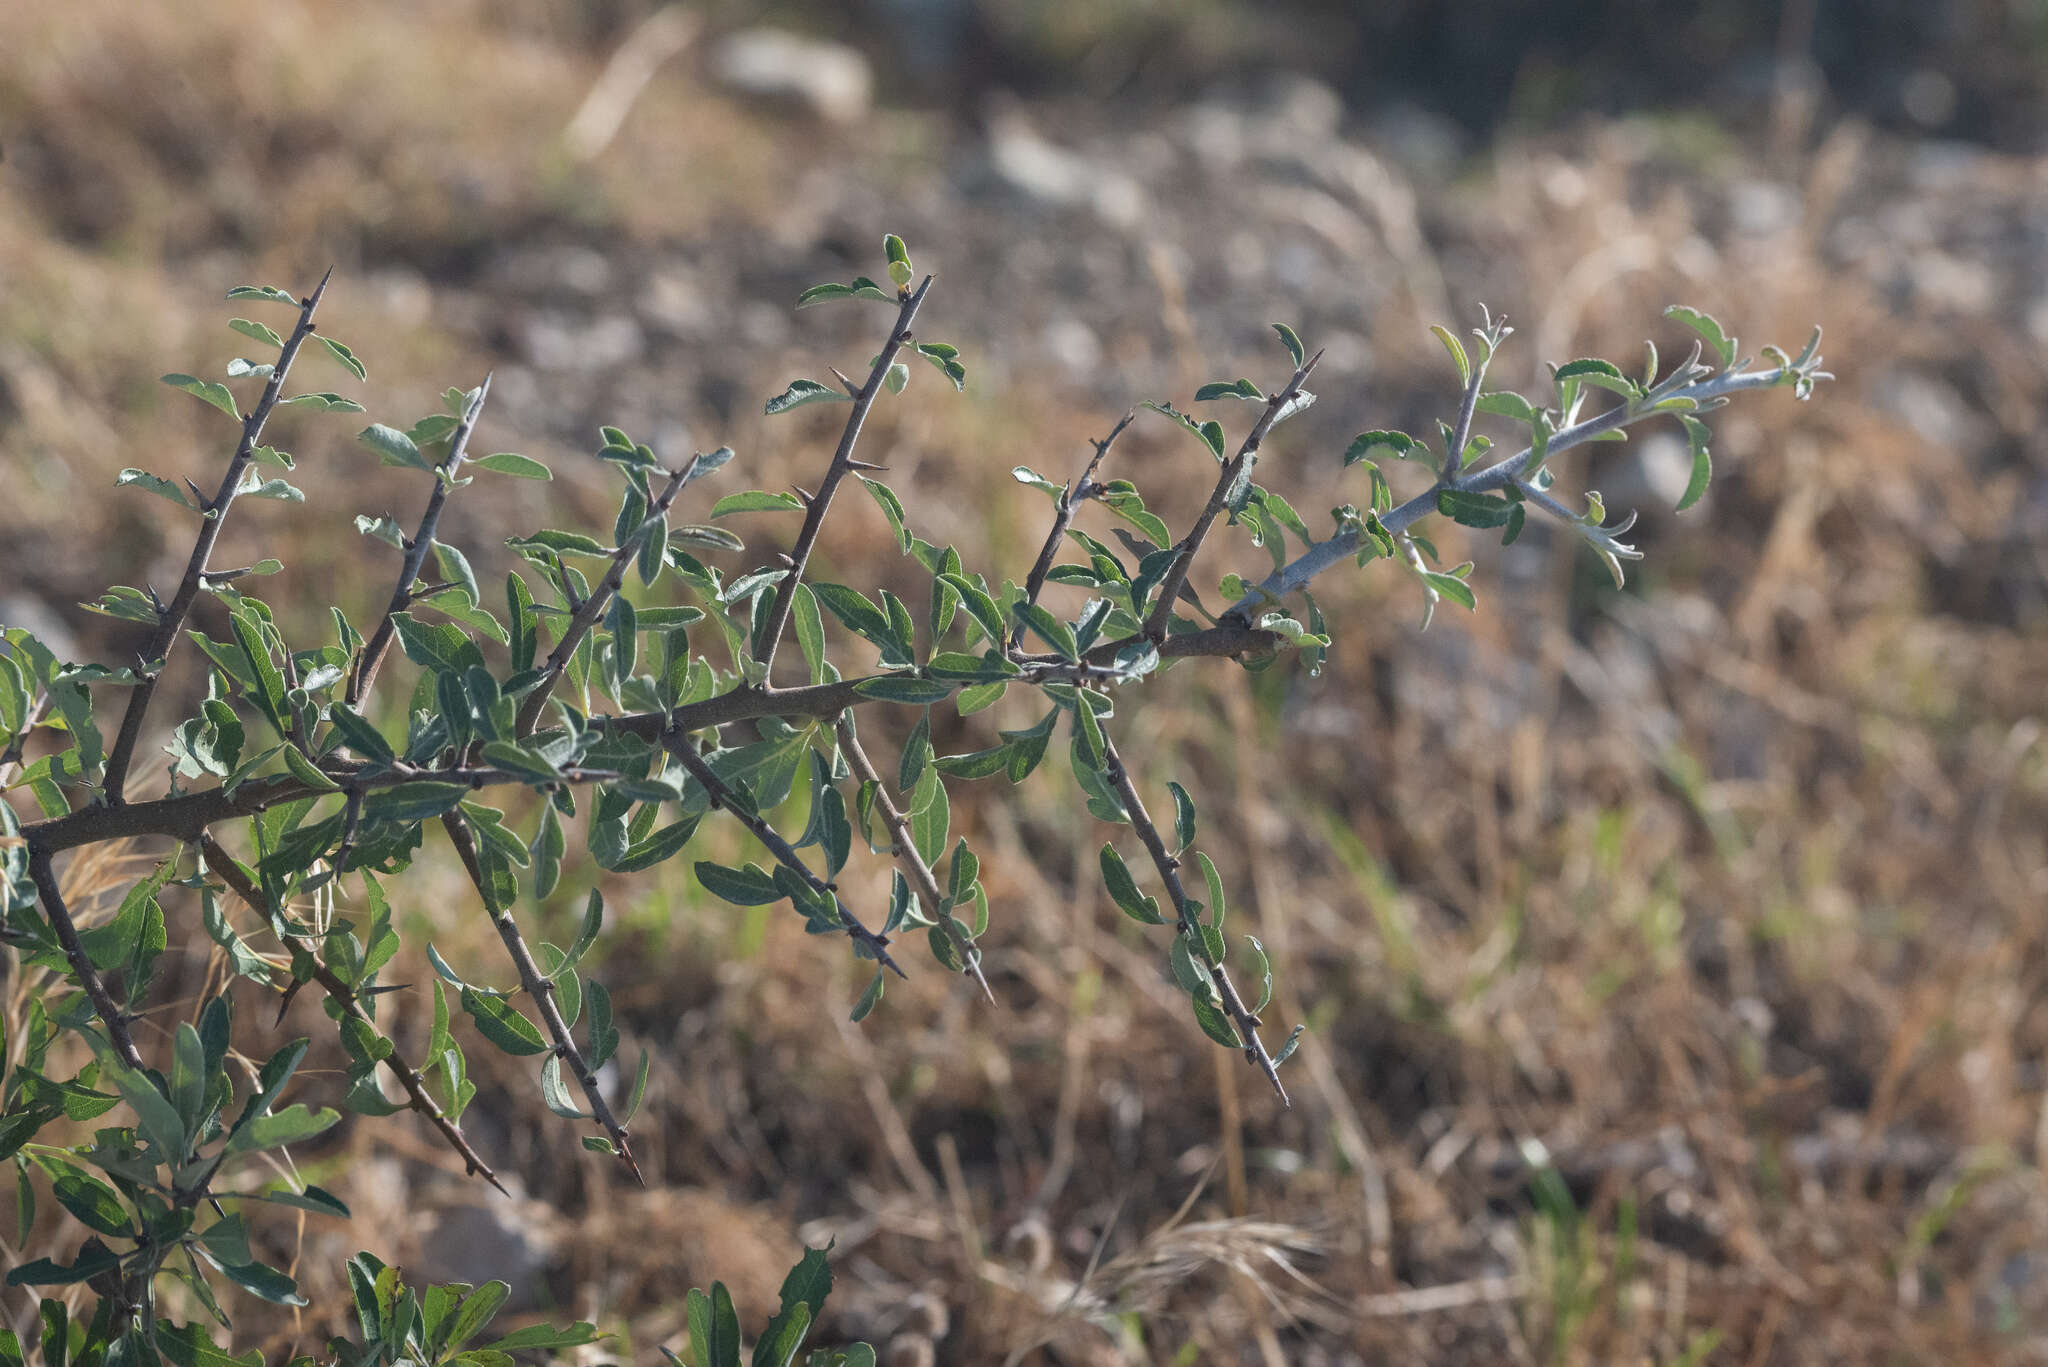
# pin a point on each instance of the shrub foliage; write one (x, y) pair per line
(630, 681)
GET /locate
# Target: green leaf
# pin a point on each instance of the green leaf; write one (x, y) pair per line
(393, 447)
(931, 816)
(904, 688)
(253, 485)
(292, 1125)
(756, 501)
(899, 260)
(542, 1337)
(478, 1309)
(1123, 890)
(1589, 365)
(562, 543)
(1452, 588)
(744, 887)
(343, 355)
(801, 392)
(810, 630)
(517, 466)
(1367, 444)
(868, 999)
(1457, 351)
(1474, 510)
(1261, 971)
(1183, 817)
(1697, 436)
(257, 331)
(1507, 404)
(326, 402)
(269, 292)
(1056, 633)
(946, 358)
(1229, 389)
(1710, 331)
(892, 508)
(498, 1022)
(155, 484)
(979, 605)
(1215, 1024)
(307, 772)
(96, 1205)
(1292, 343)
(419, 800)
(94, 1259)
(803, 1296)
(207, 391)
(1024, 474)
(555, 1095)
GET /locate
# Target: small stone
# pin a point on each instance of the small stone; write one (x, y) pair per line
(829, 81)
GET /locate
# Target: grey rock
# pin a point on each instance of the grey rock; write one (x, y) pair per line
(826, 80)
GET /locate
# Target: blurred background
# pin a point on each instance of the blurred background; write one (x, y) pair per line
(1673, 958)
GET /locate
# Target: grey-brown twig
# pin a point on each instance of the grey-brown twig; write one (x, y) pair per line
(157, 650)
(677, 742)
(1082, 488)
(228, 871)
(542, 989)
(1169, 873)
(820, 503)
(592, 608)
(372, 656)
(904, 848)
(81, 966)
(1247, 456)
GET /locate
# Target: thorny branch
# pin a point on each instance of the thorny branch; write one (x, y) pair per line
(677, 742)
(536, 983)
(81, 966)
(1084, 487)
(1247, 455)
(1169, 872)
(342, 995)
(820, 503)
(416, 550)
(542, 989)
(592, 608)
(157, 650)
(904, 848)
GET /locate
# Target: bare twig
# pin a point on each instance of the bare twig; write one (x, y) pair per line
(542, 989)
(593, 607)
(224, 866)
(1169, 872)
(1247, 455)
(416, 550)
(678, 744)
(821, 502)
(171, 620)
(905, 849)
(1083, 487)
(74, 951)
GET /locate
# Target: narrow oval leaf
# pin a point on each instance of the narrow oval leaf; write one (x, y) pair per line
(801, 392)
(206, 390)
(517, 466)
